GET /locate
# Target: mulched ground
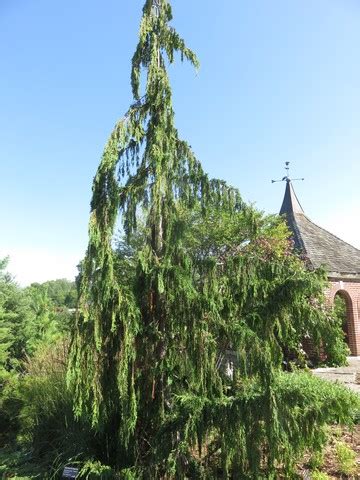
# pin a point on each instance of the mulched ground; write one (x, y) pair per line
(331, 465)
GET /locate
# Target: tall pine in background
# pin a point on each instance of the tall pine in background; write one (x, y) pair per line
(147, 356)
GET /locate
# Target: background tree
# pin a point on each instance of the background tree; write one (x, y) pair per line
(52, 304)
(61, 292)
(14, 311)
(30, 321)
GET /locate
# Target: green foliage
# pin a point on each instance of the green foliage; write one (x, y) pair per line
(14, 314)
(346, 459)
(317, 475)
(198, 278)
(14, 311)
(328, 335)
(43, 329)
(30, 320)
(15, 464)
(162, 172)
(340, 308)
(307, 404)
(48, 435)
(339, 313)
(46, 416)
(263, 241)
(95, 470)
(61, 292)
(51, 305)
(30, 317)
(316, 460)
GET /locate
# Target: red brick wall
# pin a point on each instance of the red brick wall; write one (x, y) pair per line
(351, 292)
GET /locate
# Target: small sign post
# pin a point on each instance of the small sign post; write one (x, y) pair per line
(70, 472)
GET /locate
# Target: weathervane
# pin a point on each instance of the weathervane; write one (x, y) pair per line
(287, 176)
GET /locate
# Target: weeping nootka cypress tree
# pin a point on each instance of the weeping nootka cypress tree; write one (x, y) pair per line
(149, 341)
(138, 344)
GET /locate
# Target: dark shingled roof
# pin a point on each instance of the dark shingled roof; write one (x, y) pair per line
(340, 259)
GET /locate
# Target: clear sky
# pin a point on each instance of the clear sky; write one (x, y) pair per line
(279, 81)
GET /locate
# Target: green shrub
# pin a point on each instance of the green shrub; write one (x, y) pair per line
(93, 470)
(316, 460)
(308, 405)
(47, 417)
(16, 464)
(48, 429)
(317, 475)
(346, 459)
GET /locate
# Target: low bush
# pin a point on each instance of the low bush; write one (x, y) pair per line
(308, 405)
(46, 427)
(346, 459)
(93, 470)
(16, 464)
(316, 460)
(317, 475)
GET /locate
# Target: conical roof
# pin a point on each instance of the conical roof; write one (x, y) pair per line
(321, 247)
(290, 202)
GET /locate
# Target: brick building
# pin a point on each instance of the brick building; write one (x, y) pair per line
(341, 260)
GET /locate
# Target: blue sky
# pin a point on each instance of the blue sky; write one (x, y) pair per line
(279, 81)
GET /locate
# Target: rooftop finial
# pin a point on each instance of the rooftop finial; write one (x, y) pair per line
(287, 176)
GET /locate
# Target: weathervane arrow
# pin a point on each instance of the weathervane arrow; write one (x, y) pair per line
(287, 176)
